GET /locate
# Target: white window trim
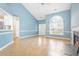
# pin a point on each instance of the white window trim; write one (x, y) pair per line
(52, 33)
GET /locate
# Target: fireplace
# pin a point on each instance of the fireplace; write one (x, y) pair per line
(76, 40)
(75, 37)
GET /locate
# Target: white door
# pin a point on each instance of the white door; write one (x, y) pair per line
(42, 29)
(16, 26)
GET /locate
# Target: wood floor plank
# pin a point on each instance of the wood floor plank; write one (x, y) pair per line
(35, 46)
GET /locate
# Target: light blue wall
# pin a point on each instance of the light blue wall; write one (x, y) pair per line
(28, 24)
(75, 14)
(42, 21)
(67, 22)
(5, 37)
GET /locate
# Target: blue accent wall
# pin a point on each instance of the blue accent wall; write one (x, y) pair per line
(28, 24)
(67, 22)
(42, 21)
(5, 37)
(75, 14)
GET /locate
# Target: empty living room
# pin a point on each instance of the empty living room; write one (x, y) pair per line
(39, 29)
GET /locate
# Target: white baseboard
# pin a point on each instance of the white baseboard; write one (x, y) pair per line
(28, 36)
(59, 37)
(6, 45)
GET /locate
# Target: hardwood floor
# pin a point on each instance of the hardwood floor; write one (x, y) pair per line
(36, 46)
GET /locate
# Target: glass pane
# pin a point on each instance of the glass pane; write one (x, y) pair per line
(56, 25)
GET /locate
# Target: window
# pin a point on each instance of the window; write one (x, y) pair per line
(56, 25)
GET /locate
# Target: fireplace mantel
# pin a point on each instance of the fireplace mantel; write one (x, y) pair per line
(76, 31)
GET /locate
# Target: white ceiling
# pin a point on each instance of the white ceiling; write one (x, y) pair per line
(41, 10)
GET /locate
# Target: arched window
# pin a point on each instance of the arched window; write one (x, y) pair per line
(56, 26)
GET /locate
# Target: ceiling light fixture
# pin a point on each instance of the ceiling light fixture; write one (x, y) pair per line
(42, 3)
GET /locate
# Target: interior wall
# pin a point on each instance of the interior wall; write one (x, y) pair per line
(75, 15)
(28, 24)
(5, 38)
(42, 21)
(67, 22)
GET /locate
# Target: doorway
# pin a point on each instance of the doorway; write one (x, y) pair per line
(16, 27)
(42, 29)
